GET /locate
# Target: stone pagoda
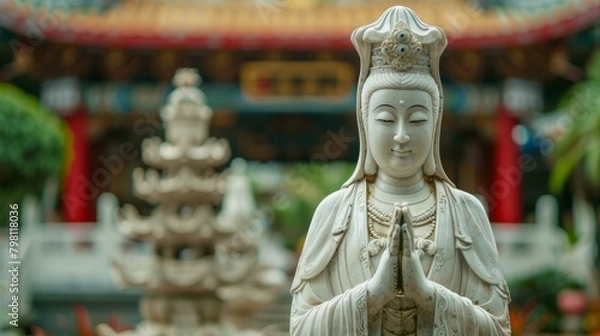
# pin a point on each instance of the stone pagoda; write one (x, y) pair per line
(203, 276)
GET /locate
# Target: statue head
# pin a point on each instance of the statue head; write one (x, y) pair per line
(399, 53)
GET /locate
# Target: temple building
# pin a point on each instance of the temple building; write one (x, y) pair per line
(280, 76)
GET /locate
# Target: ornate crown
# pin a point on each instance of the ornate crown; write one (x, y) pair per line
(400, 52)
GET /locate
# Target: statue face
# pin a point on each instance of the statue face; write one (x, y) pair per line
(400, 128)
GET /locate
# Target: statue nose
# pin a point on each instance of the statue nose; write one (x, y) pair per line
(401, 136)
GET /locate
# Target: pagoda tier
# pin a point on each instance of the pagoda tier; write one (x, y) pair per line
(183, 186)
(166, 225)
(199, 276)
(212, 153)
(292, 24)
(167, 276)
(245, 297)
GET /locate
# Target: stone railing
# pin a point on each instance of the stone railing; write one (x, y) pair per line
(66, 259)
(74, 259)
(529, 248)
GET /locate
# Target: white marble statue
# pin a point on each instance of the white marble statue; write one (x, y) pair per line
(398, 250)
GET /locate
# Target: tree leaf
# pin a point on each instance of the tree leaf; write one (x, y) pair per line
(563, 168)
(592, 162)
(32, 143)
(581, 141)
(593, 68)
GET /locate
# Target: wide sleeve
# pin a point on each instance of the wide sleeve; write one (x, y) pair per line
(477, 304)
(327, 228)
(483, 313)
(344, 314)
(318, 306)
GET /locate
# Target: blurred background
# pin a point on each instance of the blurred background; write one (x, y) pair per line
(83, 82)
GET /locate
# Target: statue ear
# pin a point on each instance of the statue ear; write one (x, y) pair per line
(370, 164)
(429, 166)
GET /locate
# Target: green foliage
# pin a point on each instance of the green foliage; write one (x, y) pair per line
(581, 143)
(535, 297)
(32, 144)
(305, 185)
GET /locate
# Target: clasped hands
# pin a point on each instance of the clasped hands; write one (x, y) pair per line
(399, 271)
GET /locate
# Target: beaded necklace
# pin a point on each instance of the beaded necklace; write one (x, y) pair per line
(422, 218)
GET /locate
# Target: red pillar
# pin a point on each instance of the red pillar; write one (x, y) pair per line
(78, 196)
(505, 190)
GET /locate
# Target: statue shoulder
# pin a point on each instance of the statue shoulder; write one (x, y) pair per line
(469, 202)
(328, 214)
(472, 214)
(328, 225)
(330, 202)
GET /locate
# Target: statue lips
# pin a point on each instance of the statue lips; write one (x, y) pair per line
(402, 152)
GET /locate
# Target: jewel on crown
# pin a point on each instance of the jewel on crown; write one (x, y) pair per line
(401, 51)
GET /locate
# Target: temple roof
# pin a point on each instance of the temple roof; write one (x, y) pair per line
(290, 25)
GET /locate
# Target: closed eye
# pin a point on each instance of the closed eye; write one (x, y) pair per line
(418, 122)
(419, 115)
(385, 117)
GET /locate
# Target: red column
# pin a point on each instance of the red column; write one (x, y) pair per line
(505, 191)
(78, 197)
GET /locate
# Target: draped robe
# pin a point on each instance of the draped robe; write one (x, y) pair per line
(329, 288)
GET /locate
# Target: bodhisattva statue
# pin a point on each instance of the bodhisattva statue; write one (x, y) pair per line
(398, 250)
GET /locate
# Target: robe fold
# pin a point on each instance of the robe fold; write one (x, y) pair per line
(329, 288)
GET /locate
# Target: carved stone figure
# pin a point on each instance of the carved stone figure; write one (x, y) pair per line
(398, 250)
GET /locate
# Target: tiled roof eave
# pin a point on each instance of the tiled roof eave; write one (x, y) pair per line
(113, 30)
